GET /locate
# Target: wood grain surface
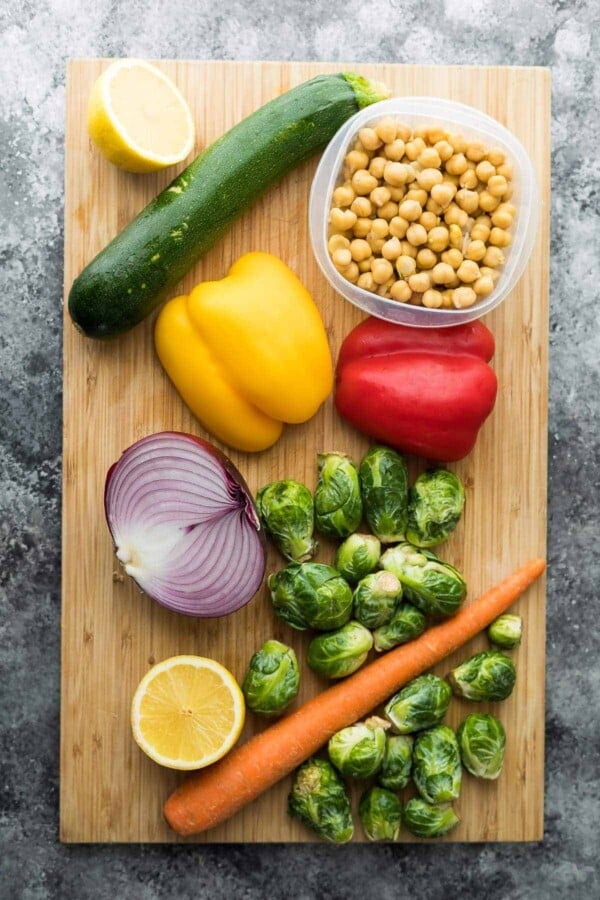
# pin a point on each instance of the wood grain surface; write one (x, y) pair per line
(116, 392)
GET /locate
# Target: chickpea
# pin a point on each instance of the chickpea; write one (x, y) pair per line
(382, 270)
(501, 218)
(487, 201)
(426, 178)
(457, 164)
(464, 297)
(447, 299)
(383, 289)
(356, 159)
(375, 243)
(497, 185)
(483, 219)
(380, 228)
(432, 206)
(397, 192)
(398, 226)
(480, 233)
(428, 220)
(360, 249)
(496, 156)
(494, 274)
(454, 283)
(400, 291)
(396, 173)
(508, 192)
(432, 299)
(342, 219)
(337, 242)
(341, 258)
(484, 170)
(435, 134)
(377, 166)
(351, 273)
(506, 170)
(499, 237)
(468, 180)
(468, 271)
(416, 234)
(443, 194)
(403, 131)
(416, 299)
(483, 286)
(457, 142)
(410, 210)
(394, 150)
(437, 239)
(417, 194)
(379, 196)
(365, 265)
(362, 227)
(455, 236)
(430, 158)
(413, 171)
(414, 148)
(454, 215)
(476, 250)
(391, 249)
(366, 281)
(343, 195)
(386, 129)
(362, 207)
(388, 210)
(426, 259)
(420, 282)
(363, 183)
(358, 146)
(510, 208)
(442, 273)
(406, 266)
(444, 150)
(467, 200)
(476, 151)
(452, 257)
(408, 249)
(369, 139)
(420, 132)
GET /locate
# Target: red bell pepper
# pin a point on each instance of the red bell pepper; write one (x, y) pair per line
(425, 391)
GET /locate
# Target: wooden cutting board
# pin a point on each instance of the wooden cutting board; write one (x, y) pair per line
(116, 392)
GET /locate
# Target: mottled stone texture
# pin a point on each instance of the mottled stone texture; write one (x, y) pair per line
(36, 39)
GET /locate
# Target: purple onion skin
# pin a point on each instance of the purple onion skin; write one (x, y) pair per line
(235, 477)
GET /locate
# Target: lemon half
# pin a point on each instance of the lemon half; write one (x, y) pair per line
(187, 712)
(138, 119)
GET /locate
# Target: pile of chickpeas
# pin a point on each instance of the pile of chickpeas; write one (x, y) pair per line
(422, 216)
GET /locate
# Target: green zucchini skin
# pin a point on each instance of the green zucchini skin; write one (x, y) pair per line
(141, 265)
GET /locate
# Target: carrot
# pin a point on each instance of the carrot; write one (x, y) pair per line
(211, 796)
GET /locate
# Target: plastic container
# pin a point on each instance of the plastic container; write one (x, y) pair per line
(456, 117)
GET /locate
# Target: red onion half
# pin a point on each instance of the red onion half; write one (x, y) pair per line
(184, 525)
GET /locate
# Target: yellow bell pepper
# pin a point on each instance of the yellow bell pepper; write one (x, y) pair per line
(247, 353)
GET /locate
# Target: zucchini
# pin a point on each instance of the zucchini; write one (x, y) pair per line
(138, 269)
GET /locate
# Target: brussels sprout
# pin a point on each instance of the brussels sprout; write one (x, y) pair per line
(384, 488)
(357, 556)
(506, 632)
(357, 751)
(435, 504)
(380, 814)
(406, 624)
(339, 653)
(436, 587)
(338, 507)
(437, 772)
(319, 799)
(397, 762)
(421, 704)
(311, 595)
(486, 676)
(272, 680)
(427, 820)
(287, 512)
(482, 741)
(375, 598)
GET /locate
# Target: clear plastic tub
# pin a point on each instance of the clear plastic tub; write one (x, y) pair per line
(456, 117)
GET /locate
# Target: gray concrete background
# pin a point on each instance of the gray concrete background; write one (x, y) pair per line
(36, 37)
